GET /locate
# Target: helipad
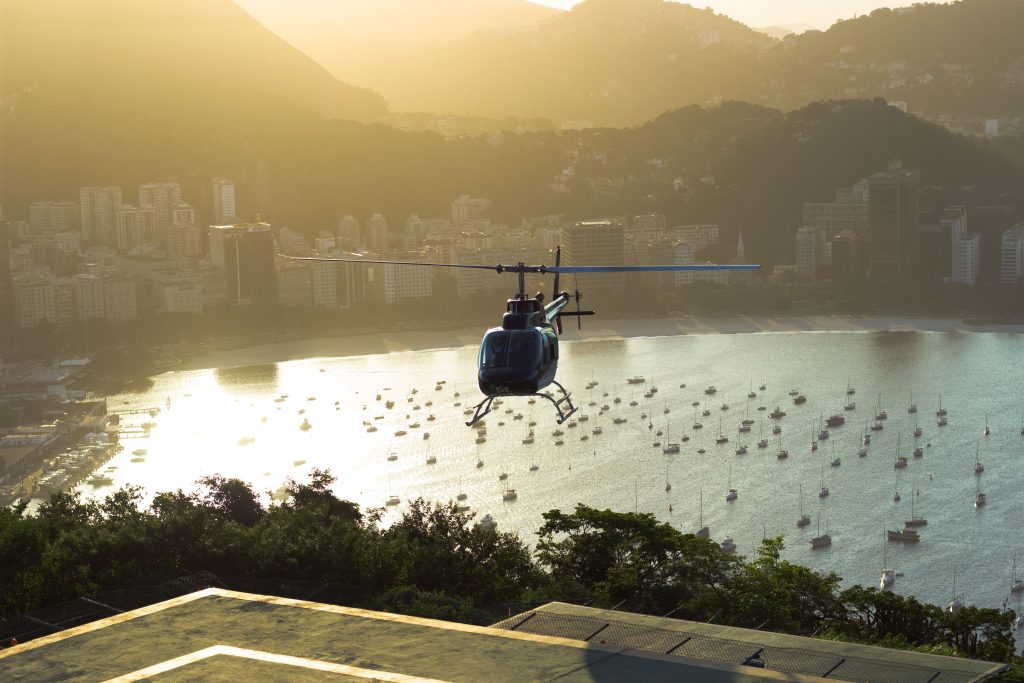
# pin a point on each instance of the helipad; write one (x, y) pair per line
(219, 635)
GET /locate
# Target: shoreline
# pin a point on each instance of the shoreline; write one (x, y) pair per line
(341, 345)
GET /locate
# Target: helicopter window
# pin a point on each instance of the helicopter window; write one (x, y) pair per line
(523, 348)
(494, 349)
(510, 349)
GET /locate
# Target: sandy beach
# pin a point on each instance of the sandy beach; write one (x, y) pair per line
(366, 344)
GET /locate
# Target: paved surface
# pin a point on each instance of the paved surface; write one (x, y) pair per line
(217, 635)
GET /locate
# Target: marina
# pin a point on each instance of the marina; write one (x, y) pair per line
(616, 467)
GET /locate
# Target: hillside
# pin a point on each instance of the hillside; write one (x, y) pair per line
(623, 62)
(309, 23)
(104, 53)
(614, 62)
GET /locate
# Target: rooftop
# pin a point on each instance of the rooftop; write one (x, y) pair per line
(216, 634)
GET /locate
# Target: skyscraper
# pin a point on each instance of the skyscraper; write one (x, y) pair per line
(223, 201)
(49, 217)
(1011, 262)
(135, 226)
(98, 207)
(246, 254)
(893, 220)
(810, 251)
(597, 243)
(162, 197)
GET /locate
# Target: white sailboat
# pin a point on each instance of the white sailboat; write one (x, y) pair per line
(888, 576)
(732, 494)
(978, 467)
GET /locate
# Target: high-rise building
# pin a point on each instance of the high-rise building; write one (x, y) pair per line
(846, 256)
(246, 254)
(39, 298)
(1011, 261)
(136, 226)
(182, 239)
(893, 212)
(348, 231)
(183, 214)
(295, 284)
(965, 247)
(697, 237)
(597, 243)
(98, 207)
(810, 251)
(834, 218)
(390, 284)
(47, 217)
(376, 234)
(223, 201)
(467, 208)
(162, 197)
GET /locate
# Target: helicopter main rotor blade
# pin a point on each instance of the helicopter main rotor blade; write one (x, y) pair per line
(497, 269)
(647, 269)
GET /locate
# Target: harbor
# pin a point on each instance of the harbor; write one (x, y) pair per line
(391, 427)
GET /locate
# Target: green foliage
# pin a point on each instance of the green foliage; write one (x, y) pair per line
(435, 562)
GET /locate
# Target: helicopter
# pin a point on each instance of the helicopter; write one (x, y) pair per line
(520, 358)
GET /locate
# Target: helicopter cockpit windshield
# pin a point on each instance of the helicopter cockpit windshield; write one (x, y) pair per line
(511, 349)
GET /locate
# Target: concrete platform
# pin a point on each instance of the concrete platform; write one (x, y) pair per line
(218, 635)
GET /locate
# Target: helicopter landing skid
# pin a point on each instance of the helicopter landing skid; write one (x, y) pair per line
(564, 406)
(566, 411)
(481, 410)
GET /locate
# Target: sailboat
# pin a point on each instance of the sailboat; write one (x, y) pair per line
(822, 540)
(979, 496)
(849, 389)
(836, 462)
(978, 467)
(722, 438)
(814, 442)
(392, 499)
(733, 494)
(668, 485)
(901, 460)
(987, 431)
(696, 423)
(804, 520)
(888, 577)
(912, 407)
(669, 447)
(783, 453)
(823, 492)
(914, 520)
(703, 531)
(762, 442)
(941, 412)
(917, 428)
(1016, 583)
(956, 603)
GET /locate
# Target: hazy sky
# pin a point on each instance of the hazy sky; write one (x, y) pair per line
(819, 13)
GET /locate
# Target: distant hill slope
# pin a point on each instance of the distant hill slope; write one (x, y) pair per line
(921, 55)
(608, 61)
(622, 62)
(318, 22)
(101, 53)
